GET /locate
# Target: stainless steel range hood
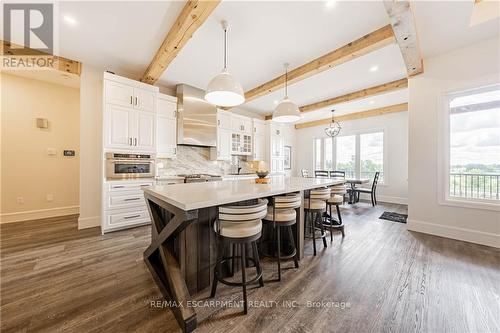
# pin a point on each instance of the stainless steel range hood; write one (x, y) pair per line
(197, 119)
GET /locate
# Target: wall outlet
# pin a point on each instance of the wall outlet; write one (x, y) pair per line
(49, 197)
(20, 200)
(51, 152)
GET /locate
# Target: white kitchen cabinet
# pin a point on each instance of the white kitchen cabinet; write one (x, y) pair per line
(144, 100)
(125, 95)
(241, 124)
(223, 149)
(129, 120)
(145, 135)
(223, 119)
(118, 126)
(166, 136)
(123, 204)
(126, 128)
(259, 147)
(259, 127)
(119, 94)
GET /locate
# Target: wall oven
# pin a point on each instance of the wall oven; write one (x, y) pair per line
(129, 166)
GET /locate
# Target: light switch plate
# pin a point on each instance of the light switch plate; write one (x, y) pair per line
(51, 152)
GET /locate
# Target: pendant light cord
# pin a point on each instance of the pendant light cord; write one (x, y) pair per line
(225, 48)
(286, 81)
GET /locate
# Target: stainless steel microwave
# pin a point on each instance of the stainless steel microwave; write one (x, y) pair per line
(129, 166)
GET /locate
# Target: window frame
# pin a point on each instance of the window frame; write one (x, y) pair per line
(357, 134)
(444, 151)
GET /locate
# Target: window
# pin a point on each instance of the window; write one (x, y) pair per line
(472, 146)
(372, 154)
(359, 155)
(346, 154)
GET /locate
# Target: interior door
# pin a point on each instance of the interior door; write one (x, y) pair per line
(118, 126)
(119, 94)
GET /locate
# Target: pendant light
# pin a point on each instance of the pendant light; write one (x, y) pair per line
(334, 128)
(286, 111)
(223, 89)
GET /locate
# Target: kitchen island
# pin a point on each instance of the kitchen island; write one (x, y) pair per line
(182, 253)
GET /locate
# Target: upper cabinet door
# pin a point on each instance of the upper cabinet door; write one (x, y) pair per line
(167, 108)
(144, 100)
(119, 94)
(146, 131)
(224, 144)
(236, 123)
(259, 128)
(224, 119)
(118, 127)
(247, 125)
(166, 136)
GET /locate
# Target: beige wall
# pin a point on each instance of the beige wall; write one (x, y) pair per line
(466, 68)
(27, 169)
(91, 147)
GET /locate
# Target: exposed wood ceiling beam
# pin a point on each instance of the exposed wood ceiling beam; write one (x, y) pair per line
(405, 30)
(358, 115)
(29, 56)
(364, 93)
(192, 16)
(366, 44)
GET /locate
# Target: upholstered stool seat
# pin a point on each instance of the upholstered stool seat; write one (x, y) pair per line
(239, 225)
(315, 209)
(240, 229)
(282, 215)
(335, 199)
(315, 204)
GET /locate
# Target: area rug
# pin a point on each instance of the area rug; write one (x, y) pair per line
(395, 217)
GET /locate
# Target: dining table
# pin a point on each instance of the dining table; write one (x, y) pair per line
(353, 182)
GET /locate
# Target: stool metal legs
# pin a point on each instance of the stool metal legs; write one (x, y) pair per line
(316, 217)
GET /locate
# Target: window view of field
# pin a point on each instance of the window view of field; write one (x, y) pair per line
(475, 145)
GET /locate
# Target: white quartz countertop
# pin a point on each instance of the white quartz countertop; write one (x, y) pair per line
(201, 195)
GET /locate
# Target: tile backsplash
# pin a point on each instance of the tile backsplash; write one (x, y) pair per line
(191, 159)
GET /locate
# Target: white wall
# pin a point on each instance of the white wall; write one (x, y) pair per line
(395, 128)
(90, 147)
(473, 66)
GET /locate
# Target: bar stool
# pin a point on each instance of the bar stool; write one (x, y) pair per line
(282, 213)
(240, 226)
(315, 208)
(335, 200)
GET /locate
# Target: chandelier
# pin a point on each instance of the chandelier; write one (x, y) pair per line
(334, 128)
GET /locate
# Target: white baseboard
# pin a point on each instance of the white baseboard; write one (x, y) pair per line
(38, 214)
(89, 222)
(467, 235)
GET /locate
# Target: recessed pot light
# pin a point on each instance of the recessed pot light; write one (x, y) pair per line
(69, 20)
(372, 102)
(330, 4)
(373, 68)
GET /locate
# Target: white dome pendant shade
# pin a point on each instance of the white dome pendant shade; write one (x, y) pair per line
(286, 111)
(223, 89)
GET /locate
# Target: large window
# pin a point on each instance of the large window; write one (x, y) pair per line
(359, 155)
(346, 155)
(371, 154)
(473, 145)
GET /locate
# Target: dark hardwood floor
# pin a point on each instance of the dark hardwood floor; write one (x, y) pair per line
(380, 278)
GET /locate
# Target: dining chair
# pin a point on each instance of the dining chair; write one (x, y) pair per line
(371, 191)
(304, 173)
(337, 174)
(321, 173)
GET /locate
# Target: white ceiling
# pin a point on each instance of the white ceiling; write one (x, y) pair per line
(123, 36)
(445, 25)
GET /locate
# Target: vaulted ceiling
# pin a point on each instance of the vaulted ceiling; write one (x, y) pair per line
(123, 37)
